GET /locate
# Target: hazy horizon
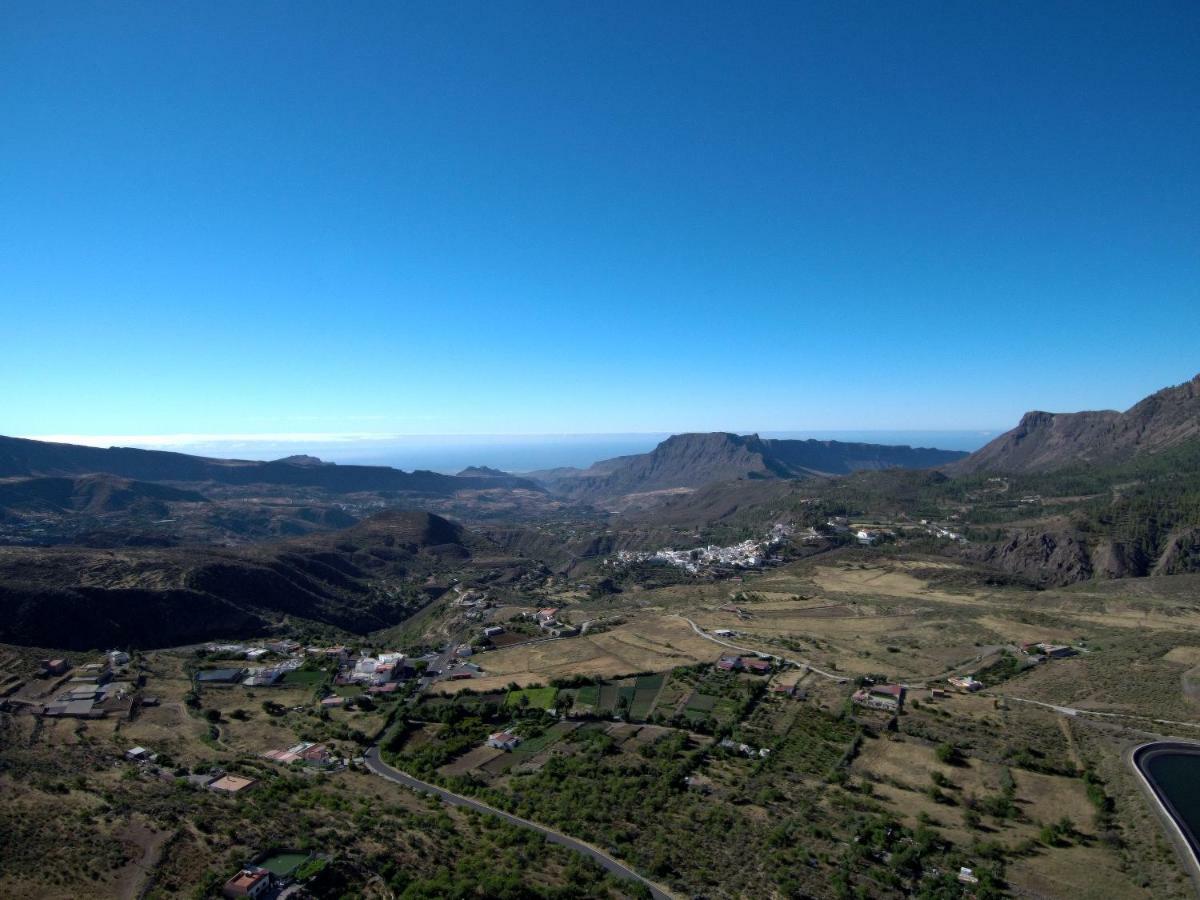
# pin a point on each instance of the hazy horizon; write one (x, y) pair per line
(512, 453)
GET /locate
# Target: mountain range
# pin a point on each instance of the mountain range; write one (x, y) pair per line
(1045, 441)
(24, 457)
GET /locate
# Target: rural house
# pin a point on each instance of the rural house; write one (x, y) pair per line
(886, 697)
(503, 740)
(252, 882)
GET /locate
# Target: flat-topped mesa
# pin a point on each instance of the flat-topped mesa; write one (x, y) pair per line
(692, 460)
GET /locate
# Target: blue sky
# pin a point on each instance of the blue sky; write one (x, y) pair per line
(310, 218)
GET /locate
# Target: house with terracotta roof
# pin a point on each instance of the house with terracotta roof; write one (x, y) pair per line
(231, 784)
(250, 882)
(503, 740)
(729, 663)
(55, 666)
(756, 665)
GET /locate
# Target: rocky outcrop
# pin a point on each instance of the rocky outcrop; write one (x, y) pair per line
(1115, 559)
(1047, 558)
(1181, 555)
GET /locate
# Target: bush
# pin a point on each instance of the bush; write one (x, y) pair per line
(950, 755)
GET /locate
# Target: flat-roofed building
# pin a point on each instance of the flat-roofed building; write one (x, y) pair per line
(231, 784)
(253, 882)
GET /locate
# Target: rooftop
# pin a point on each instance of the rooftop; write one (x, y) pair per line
(231, 783)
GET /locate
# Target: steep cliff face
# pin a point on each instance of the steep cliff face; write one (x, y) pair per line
(1044, 441)
(1046, 558)
(1057, 558)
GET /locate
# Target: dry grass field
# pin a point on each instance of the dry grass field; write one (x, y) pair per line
(646, 642)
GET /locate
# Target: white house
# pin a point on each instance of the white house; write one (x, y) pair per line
(503, 740)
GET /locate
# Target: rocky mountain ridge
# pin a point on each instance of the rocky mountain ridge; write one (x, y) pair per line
(1044, 441)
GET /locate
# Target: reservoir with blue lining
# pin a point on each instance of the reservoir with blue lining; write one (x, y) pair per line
(1172, 771)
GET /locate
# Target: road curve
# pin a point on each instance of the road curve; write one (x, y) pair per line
(803, 664)
(376, 764)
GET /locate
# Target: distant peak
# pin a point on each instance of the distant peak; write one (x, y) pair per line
(301, 459)
(482, 472)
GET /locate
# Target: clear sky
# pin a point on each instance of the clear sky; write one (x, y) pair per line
(398, 218)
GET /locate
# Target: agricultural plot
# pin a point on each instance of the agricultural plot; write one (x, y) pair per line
(499, 764)
(813, 745)
(535, 698)
(546, 739)
(471, 760)
(645, 692)
(606, 704)
(587, 698)
(625, 695)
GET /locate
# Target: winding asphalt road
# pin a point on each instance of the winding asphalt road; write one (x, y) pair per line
(376, 764)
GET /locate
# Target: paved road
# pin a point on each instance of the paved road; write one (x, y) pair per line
(379, 767)
(804, 664)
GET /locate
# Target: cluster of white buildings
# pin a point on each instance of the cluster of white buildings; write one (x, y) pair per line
(746, 555)
(744, 749)
(940, 531)
(377, 670)
(369, 670)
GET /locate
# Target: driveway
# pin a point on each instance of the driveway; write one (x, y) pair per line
(379, 767)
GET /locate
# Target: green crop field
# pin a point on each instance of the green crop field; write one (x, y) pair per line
(588, 695)
(608, 700)
(538, 698)
(548, 737)
(645, 693)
